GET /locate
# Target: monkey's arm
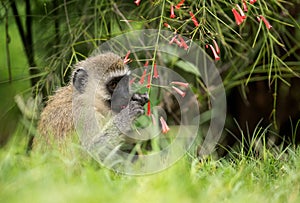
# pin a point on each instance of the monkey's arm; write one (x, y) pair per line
(112, 135)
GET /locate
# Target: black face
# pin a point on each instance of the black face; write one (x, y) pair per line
(118, 88)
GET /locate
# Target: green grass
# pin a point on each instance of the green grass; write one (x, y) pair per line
(56, 177)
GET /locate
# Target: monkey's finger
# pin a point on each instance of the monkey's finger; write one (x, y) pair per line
(141, 98)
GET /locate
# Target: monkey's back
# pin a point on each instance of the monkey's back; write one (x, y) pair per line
(56, 121)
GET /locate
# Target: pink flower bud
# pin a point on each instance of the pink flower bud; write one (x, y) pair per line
(179, 4)
(167, 25)
(217, 57)
(194, 19)
(268, 25)
(172, 15)
(148, 109)
(245, 6)
(241, 11)
(182, 84)
(132, 81)
(164, 125)
(237, 16)
(179, 91)
(155, 74)
(216, 46)
(126, 59)
(143, 77)
(173, 39)
(149, 81)
(137, 2)
(183, 43)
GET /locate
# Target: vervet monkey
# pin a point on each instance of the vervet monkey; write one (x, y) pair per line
(99, 89)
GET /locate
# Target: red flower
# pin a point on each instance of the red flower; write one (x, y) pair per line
(164, 125)
(126, 59)
(183, 43)
(179, 91)
(173, 40)
(241, 11)
(252, 1)
(155, 74)
(217, 57)
(143, 77)
(237, 16)
(167, 25)
(245, 6)
(153, 119)
(137, 2)
(179, 4)
(132, 81)
(172, 12)
(194, 19)
(216, 46)
(268, 25)
(148, 109)
(146, 63)
(149, 81)
(183, 84)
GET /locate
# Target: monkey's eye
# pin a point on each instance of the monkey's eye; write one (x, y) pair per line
(112, 85)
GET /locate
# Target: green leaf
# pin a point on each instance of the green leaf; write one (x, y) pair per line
(188, 67)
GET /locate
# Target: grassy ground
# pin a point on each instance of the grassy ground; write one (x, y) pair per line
(56, 177)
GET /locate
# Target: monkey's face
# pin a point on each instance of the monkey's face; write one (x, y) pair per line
(118, 89)
(114, 92)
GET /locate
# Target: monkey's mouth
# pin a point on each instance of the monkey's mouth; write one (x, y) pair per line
(117, 107)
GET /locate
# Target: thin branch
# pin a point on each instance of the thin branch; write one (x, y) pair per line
(7, 38)
(18, 21)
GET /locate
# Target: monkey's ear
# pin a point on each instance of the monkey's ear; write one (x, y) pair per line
(80, 79)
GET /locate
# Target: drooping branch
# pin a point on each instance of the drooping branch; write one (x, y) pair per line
(7, 41)
(27, 38)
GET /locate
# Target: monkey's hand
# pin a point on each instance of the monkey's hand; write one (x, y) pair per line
(135, 108)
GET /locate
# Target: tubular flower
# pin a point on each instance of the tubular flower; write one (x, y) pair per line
(217, 57)
(143, 77)
(194, 19)
(268, 25)
(216, 46)
(137, 2)
(148, 109)
(149, 81)
(126, 59)
(155, 74)
(179, 4)
(182, 84)
(153, 119)
(132, 81)
(179, 91)
(146, 63)
(252, 1)
(172, 15)
(241, 11)
(183, 43)
(245, 6)
(237, 16)
(167, 25)
(173, 40)
(164, 125)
